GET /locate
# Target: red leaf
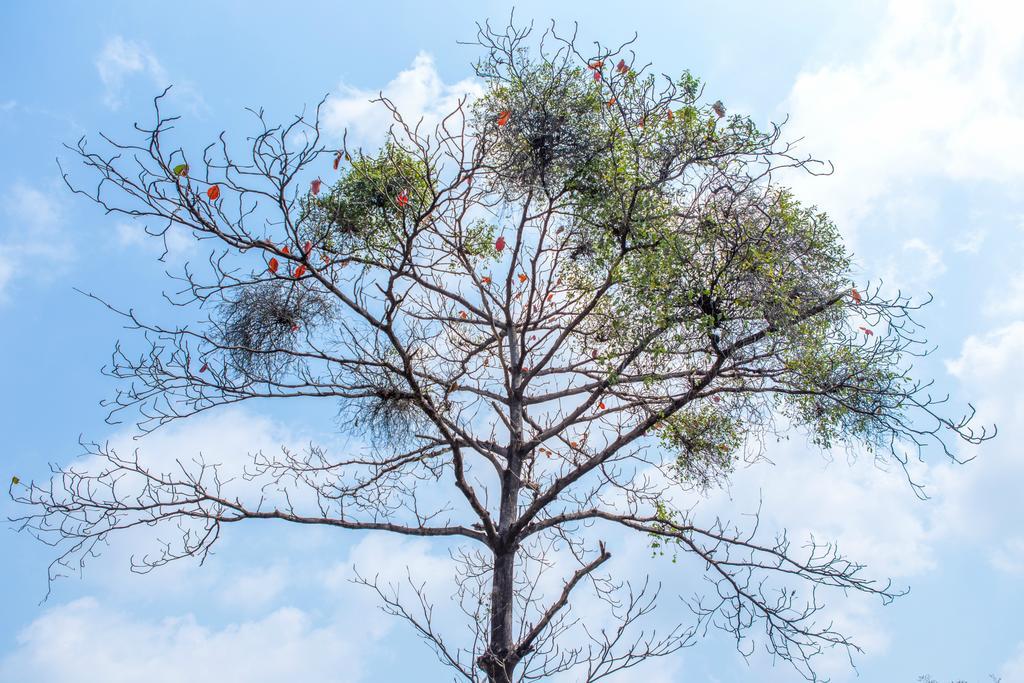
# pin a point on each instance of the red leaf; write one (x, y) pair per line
(522, 277)
(601, 405)
(485, 280)
(284, 250)
(526, 368)
(213, 192)
(716, 399)
(337, 160)
(551, 297)
(856, 296)
(867, 331)
(621, 66)
(307, 247)
(295, 327)
(503, 117)
(597, 64)
(272, 266)
(462, 314)
(573, 444)
(315, 186)
(299, 272)
(403, 197)
(597, 75)
(500, 243)
(203, 369)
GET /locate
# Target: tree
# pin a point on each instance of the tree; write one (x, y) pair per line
(574, 302)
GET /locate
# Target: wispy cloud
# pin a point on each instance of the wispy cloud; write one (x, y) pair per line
(121, 59)
(34, 247)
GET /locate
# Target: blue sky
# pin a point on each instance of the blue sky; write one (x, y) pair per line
(919, 106)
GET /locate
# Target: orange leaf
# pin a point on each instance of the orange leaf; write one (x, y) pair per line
(315, 186)
(597, 64)
(522, 277)
(403, 197)
(573, 444)
(669, 114)
(299, 272)
(621, 67)
(551, 297)
(485, 280)
(284, 250)
(307, 247)
(337, 160)
(462, 314)
(503, 117)
(526, 368)
(611, 101)
(213, 192)
(601, 405)
(856, 296)
(272, 266)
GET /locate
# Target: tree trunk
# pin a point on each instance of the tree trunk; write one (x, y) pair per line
(498, 662)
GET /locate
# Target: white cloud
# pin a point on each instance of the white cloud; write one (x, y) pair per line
(1009, 556)
(934, 95)
(121, 59)
(33, 244)
(980, 502)
(1007, 299)
(255, 587)
(971, 242)
(418, 92)
(177, 241)
(1013, 670)
(88, 642)
(914, 267)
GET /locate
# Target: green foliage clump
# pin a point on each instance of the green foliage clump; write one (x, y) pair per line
(362, 213)
(705, 439)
